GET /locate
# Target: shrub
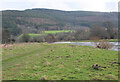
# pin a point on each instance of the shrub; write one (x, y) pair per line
(81, 34)
(37, 39)
(50, 38)
(103, 44)
(24, 38)
(5, 36)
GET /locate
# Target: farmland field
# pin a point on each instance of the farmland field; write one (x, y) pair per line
(57, 31)
(50, 32)
(34, 61)
(34, 34)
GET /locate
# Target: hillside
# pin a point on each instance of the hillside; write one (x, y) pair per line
(35, 20)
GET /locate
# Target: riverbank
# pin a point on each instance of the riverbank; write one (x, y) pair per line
(115, 46)
(110, 40)
(57, 61)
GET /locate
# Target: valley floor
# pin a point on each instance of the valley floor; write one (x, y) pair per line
(37, 61)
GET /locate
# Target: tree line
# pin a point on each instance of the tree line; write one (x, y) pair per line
(107, 31)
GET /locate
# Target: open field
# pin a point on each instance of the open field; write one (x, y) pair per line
(33, 61)
(50, 32)
(34, 34)
(57, 31)
(113, 40)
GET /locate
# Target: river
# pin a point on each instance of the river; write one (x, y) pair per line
(115, 44)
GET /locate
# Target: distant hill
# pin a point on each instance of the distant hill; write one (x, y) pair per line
(35, 20)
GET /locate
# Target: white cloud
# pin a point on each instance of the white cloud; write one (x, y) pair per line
(87, 5)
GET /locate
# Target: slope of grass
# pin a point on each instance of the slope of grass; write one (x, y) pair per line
(57, 61)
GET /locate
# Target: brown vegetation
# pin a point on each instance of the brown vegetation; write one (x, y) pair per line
(41, 21)
(103, 44)
(44, 77)
(6, 45)
(50, 38)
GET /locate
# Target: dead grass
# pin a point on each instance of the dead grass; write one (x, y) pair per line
(47, 63)
(104, 44)
(44, 77)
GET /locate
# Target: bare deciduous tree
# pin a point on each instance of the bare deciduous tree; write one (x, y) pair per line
(50, 38)
(5, 36)
(110, 28)
(99, 32)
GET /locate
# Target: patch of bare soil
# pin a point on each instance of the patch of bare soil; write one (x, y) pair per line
(6, 45)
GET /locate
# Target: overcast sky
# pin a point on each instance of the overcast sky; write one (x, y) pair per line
(68, 5)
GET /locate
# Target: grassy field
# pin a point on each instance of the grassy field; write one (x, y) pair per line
(50, 32)
(33, 61)
(113, 40)
(57, 31)
(34, 34)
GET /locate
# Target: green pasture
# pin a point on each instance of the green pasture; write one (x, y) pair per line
(36, 61)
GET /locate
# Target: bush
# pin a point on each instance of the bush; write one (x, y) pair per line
(5, 36)
(38, 39)
(65, 36)
(81, 34)
(50, 38)
(24, 38)
(104, 44)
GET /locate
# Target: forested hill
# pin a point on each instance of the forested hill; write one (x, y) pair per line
(35, 20)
